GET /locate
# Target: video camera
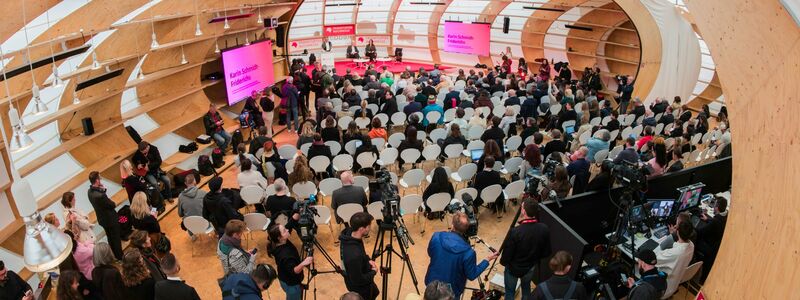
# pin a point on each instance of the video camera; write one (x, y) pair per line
(549, 168)
(392, 216)
(467, 207)
(630, 175)
(306, 226)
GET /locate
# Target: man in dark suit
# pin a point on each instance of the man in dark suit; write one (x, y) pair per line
(486, 178)
(352, 51)
(174, 288)
(495, 133)
(348, 193)
(452, 99)
(710, 231)
(556, 144)
(579, 167)
(12, 286)
(105, 209)
(149, 156)
(512, 98)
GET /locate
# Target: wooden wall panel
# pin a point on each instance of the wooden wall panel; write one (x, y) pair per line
(650, 44)
(11, 14)
(757, 67)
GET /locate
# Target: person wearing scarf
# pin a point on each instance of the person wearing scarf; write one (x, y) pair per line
(230, 252)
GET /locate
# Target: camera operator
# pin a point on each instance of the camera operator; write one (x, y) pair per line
(248, 286)
(559, 286)
(526, 245)
(625, 90)
(359, 269)
(653, 282)
(290, 267)
(452, 258)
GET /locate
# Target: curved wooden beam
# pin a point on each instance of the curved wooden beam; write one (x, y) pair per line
(433, 30)
(490, 14)
(650, 44)
(540, 21)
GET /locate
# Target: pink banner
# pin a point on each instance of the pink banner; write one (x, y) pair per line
(337, 30)
(247, 69)
(300, 45)
(362, 40)
(467, 38)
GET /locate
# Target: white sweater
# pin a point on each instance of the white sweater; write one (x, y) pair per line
(251, 177)
(674, 262)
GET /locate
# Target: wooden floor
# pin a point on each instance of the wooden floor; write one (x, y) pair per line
(202, 268)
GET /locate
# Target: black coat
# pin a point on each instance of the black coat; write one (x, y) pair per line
(108, 281)
(525, 246)
(483, 179)
(219, 210)
(496, 134)
(319, 150)
(14, 288)
(103, 206)
(358, 274)
(175, 290)
(145, 290)
(709, 235)
(553, 146)
(448, 99)
(152, 159)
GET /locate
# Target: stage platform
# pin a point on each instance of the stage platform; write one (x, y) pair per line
(394, 67)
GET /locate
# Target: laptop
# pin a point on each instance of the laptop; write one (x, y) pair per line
(649, 245)
(476, 154)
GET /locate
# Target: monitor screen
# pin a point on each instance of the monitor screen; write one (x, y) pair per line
(247, 69)
(661, 208)
(476, 154)
(467, 38)
(638, 214)
(690, 196)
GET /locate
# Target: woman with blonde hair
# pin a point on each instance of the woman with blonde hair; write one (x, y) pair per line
(306, 133)
(80, 225)
(301, 171)
(130, 180)
(144, 219)
(139, 284)
(585, 126)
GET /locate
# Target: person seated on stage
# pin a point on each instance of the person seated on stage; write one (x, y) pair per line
(371, 51)
(398, 54)
(352, 51)
(436, 72)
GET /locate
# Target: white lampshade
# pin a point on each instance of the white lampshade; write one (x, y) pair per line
(20, 140)
(95, 63)
(154, 43)
(45, 246)
(226, 26)
(75, 99)
(216, 47)
(183, 58)
(197, 31)
(57, 82)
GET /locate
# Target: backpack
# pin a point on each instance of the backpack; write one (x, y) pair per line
(217, 158)
(236, 139)
(245, 121)
(205, 166)
(125, 222)
(567, 295)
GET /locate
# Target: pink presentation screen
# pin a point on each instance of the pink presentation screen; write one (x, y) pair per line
(246, 69)
(467, 38)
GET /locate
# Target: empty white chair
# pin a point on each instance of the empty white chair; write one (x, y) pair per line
(453, 151)
(362, 122)
(342, 162)
(431, 152)
(287, 151)
(410, 156)
(465, 173)
(555, 109)
(638, 130)
(323, 216)
(490, 193)
(626, 132)
(387, 157)
(629, 119)
(449, 115)
(472, 192)
(320, 163)
(412, 178)
(696, 138)
(335, 147)
(269, 191)
(614, 134)
(252, 194)
(585, 137)
(600, 156)
(256, 222)
(468, 112)
(366, 160)
(289, 166)
(421, 135)
(515, 189)
(436, 203)
(346, 211)
(614, 152)
(513, 143)
(595, 121)
(328, 185)
(437, 134)
(499, 111)
(483, 111)
(199, 226)
(373, 108)
(350, 147)
(375, 209)
(659, 128)
(410, 204)
(396, 138)
(303, 190)
(361, 181)
(606, 120)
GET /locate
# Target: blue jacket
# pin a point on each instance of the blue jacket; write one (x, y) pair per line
(240, 286)
(430, 108)
(452, 261)
(595, 145)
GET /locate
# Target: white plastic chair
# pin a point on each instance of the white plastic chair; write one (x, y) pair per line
(303, 148)
(410, 204)
(289, 166)
(433, 117)
(490, 193)
(342, 162)
(255, 222)
(346, 211)
(379, 143)
(396, 138)
(366, 160)
(335, 147)
(585, 137)
(384, 118)
(375, 209)
(320, 164)
(515, 189)
(600, 156)
(431, 152)
(567, 124)
(410, 156)
(361, 181)
(437, 134)
(199, 226)
(475, 132)
(464, 173)
(449, 115)
(303, 190)
(323, 216)
(328, 185)
(412, 178)
(512, 165)
(513, 143)
(436, 203)
(344, 121)
(287, 151)
(398, 118)
(595, 121)
(350, 147)
(387, 157)
(614, 152)
(460, 193)
(252, 194)
(362, 122)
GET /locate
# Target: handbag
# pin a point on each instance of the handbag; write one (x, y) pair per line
(164, 245)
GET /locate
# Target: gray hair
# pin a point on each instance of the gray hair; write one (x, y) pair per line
(279, 185)
(102, 255)
(437, 290)
(605, 135)
(290, 79)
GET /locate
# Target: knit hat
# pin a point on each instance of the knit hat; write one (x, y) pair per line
(215, 184)
(647, 256)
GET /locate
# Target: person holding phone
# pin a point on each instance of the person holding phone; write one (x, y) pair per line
(233, 257)
(12, 286)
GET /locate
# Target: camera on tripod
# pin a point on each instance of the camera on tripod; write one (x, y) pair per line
(467, 207)
(392, 217)
(306, 226)
(549, 168)
(630, 175)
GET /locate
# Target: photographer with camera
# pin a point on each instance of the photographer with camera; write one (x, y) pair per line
(248, 286)
(525, 245)
(359, 269)
(452, 258)
(625, 90)
(287, 259)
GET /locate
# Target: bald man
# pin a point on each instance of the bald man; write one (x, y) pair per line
(579, 167)
(348, 193)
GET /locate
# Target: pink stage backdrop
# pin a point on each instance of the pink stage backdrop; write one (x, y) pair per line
(467, 38)
(246, 69)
